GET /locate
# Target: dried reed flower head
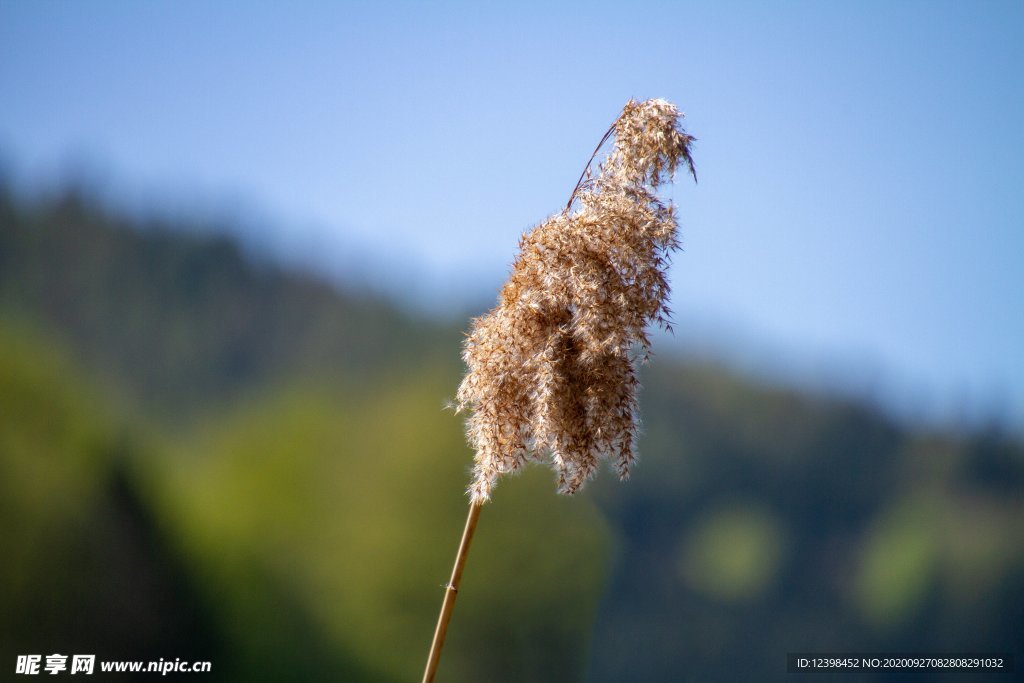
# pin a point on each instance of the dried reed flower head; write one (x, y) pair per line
(551, 370)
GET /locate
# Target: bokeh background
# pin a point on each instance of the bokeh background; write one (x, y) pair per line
(239, 244)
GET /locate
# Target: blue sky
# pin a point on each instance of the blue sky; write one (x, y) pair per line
(860, 212)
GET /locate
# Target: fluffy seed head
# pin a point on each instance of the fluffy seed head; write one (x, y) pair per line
(551, 370)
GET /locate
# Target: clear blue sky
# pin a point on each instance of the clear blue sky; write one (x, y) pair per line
(861, 201)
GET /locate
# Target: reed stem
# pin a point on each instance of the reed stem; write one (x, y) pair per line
(451, 592)
(579, 183)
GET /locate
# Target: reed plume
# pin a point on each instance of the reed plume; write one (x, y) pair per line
(552, 369)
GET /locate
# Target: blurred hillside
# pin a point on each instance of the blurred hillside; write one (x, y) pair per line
(206, 456)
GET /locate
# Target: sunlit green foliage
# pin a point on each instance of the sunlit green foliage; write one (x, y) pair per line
(53, 451)
(354, 506)
(733, 554)
(84, 566)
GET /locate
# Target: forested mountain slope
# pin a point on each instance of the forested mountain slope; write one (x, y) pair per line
(205, 455)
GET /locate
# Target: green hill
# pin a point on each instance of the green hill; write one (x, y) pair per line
(204, 455)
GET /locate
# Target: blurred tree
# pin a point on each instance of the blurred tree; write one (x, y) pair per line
(86, 567)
